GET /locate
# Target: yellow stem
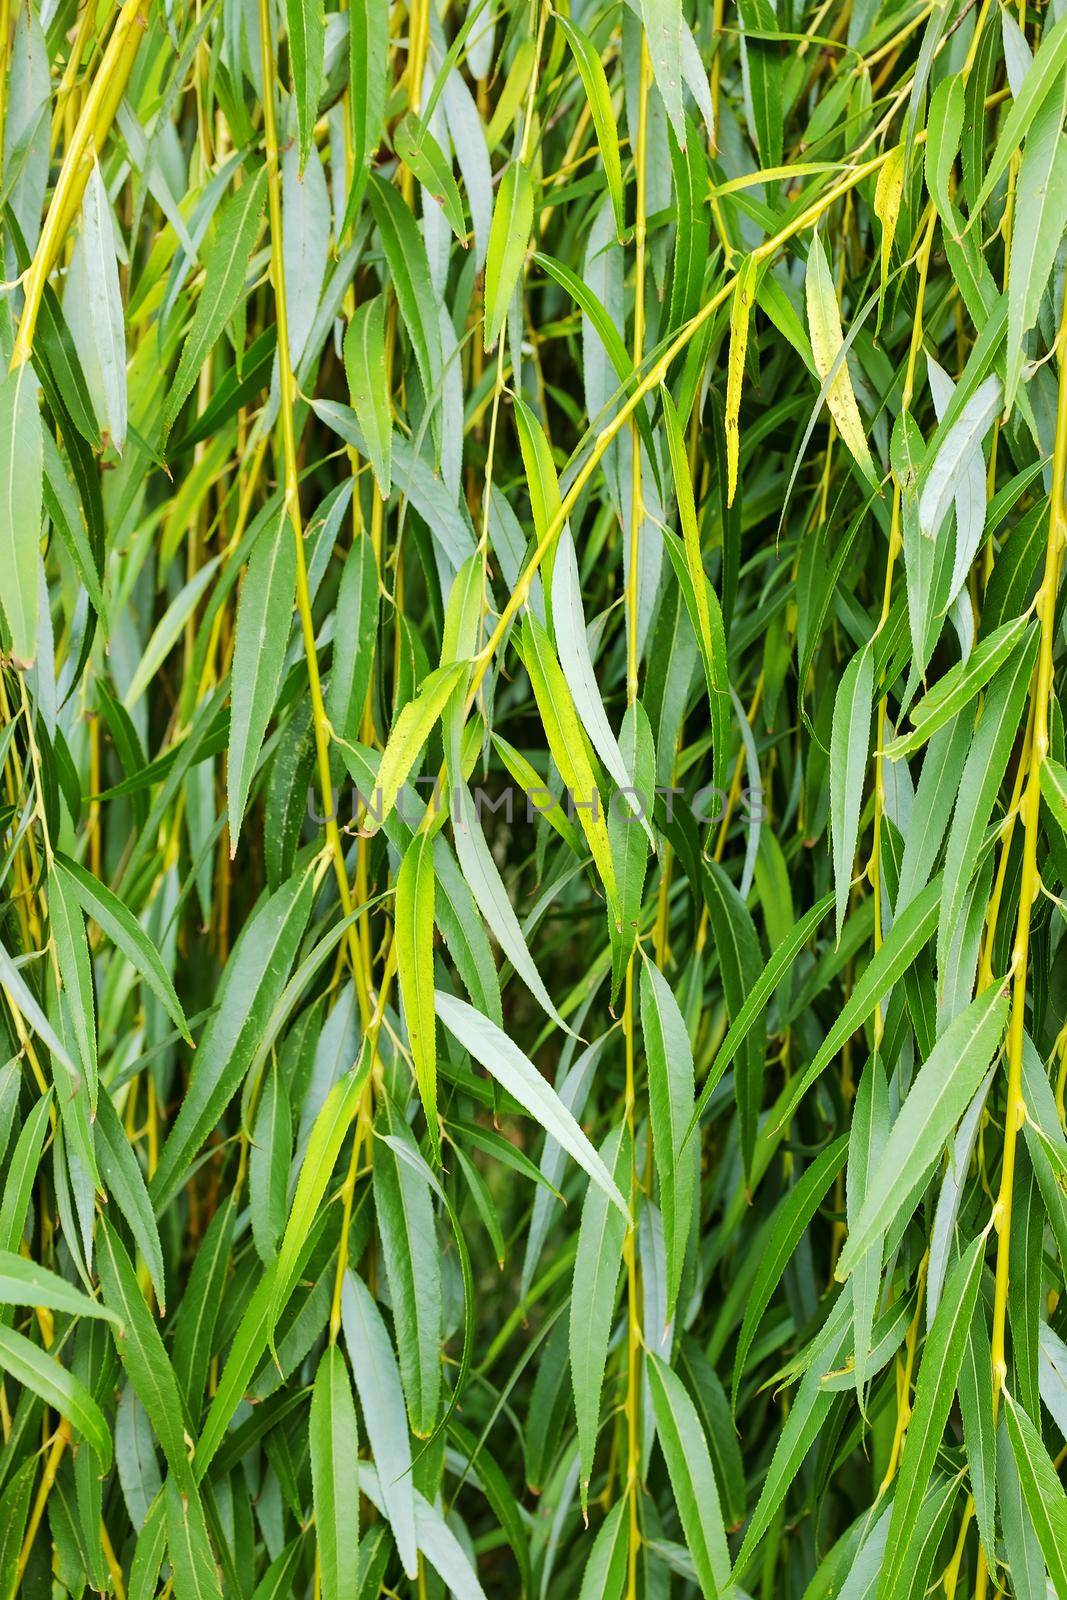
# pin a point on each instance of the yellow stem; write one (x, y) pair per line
(60, 1442)
(637, 511)
(652, 379)
(92, 128)
(287, 388)
(1028, 885)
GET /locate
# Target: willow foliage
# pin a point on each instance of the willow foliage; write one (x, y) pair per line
(533, 831)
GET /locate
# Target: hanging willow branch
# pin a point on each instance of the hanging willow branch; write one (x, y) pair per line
(533, 822)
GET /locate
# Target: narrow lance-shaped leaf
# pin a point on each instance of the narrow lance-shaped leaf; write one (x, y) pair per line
(597, 1265)
(264, 617)
(595, 83)
(225, 275)
(43, 1375)
(692, 1478)
(424, 158)
(509, 239)
(364, 351)
(124, 930)
(21, 452)
(934, 1392)
(378, 1383)
(1037, 229)
(740, 316)
(334, 1445)
(824, 326)
(327, 1136)
(849, 750)
(518, 1075)
(670, 1082)
(940, 1094)
(414, 943)
(410, 733)
(306, 26)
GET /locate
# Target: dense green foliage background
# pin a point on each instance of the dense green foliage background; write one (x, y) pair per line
(534, 804)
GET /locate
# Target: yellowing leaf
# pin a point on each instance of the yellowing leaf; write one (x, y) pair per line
(824, 326)
(740, 314)
(888, 192)
(410, 732)
(566, 740)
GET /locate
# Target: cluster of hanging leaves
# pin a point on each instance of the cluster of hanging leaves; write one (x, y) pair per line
(533, 824)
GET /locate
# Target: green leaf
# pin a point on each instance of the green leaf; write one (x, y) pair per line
(1042, 1491)
(482, 877)
(670, 1095)
(123, 929)
(72, 953)
(334, 1445)
(740, 960)
(368, 44)
(605, 1570)
(685, 1451)
(24, 1283)
(126, 1186)
(436, 1540)
(1045, 72)
(663, 33)
(414, 924)
(569, 626)
(253, 980)
(959, 686)
(226, 265)
(268, 1164)
(944, 125)
(1037, 228)
(364, 351)
(909, 933)
(307, 37)
(700, 598)
(598, 95)
(409, 276)
(983, 773)
(426, 161)
(403, 1205)
(409, 734)
(934, 1393)
(192, 1559)
(20, 1173)
(850, 745)
(21, 452)
(942, 1089)
(378, 1382)
(323, 1147)
(597, 1266)
(201, 1303)
(952, 450)
(353, 646)
(566, 741)
(141, 1351)
(264, 617)
(1053, 778)
(787, 1227)
(518, 1075)
(509, 239)
(806, 1416)
(756, 999)
(43, 1375)
(979, 1432)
